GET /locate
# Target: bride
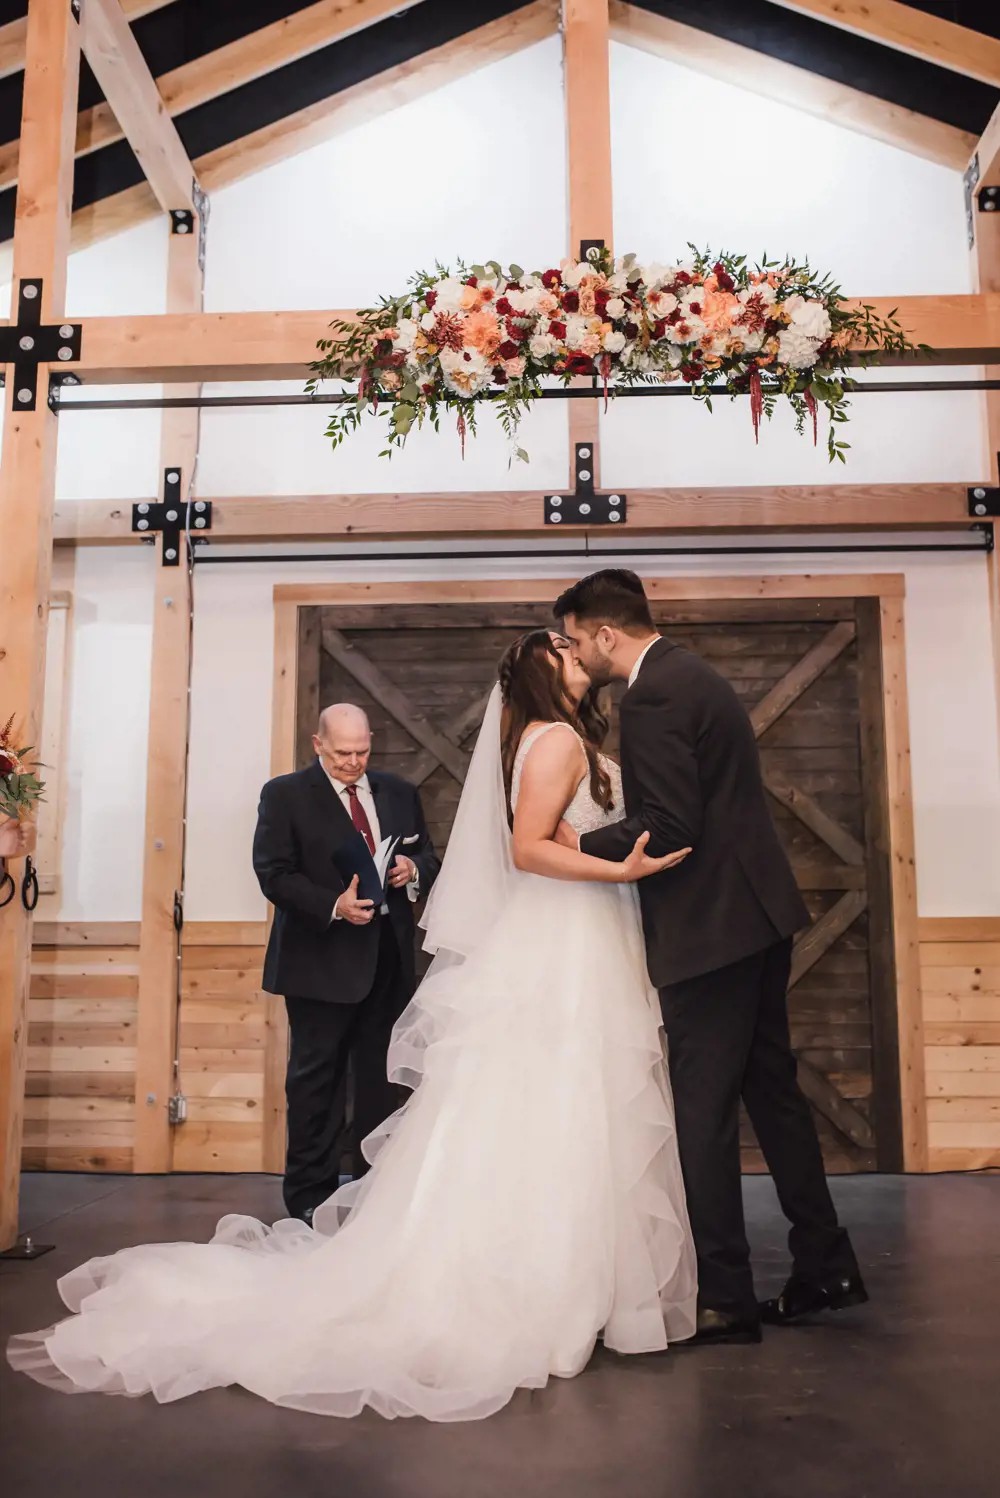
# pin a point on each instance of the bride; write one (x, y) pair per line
(527, 1198)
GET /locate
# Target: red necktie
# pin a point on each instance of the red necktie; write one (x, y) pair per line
(360, 818)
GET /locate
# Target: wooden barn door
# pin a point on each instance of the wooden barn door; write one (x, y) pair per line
(809, 674)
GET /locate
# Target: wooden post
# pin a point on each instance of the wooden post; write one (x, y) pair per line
(587, 102)
(27, 492)
(986, 278)
(166, 773)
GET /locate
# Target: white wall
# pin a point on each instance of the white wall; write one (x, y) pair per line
(343, 222)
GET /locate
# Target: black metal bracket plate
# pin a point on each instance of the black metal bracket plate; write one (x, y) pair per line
(169, 518)
(585, 506)
(27, 343)
(984, 502)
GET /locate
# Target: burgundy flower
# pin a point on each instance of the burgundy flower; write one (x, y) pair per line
(571, 301)
(8, 764)
(508, 349)
(631, 330)
(696, 308)
(447, 331)
(472, 280)
(578, 364)
(674, 317)
(692, 372)
(551, 278)
(557, 329)
(427, 387)
(503, 306)
(517, 333)
(431, 298)
(683, 278)
(499, 376)
(726, 282)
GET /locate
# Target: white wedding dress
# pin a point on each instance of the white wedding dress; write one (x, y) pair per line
(526, 1200)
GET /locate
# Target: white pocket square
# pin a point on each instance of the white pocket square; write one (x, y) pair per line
(407, 842)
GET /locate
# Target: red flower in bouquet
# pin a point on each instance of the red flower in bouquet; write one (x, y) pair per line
(557, 329)
(9, 762)
(508, 349)
(551, 279)
(571, 301)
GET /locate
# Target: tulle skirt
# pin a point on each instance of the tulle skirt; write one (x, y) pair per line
(526, 1200)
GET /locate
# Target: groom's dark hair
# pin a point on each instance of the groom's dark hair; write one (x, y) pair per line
(613, 596)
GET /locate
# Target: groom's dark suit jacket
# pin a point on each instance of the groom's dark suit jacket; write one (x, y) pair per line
(302, 826)
(692, 778)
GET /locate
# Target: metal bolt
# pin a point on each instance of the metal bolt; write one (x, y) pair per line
(556, 501)
(24, 396)
(172, 515)
(614, 499)
(150, 1099)
(585, 474)
(200, 523)
(183, 228)
(30, 292)
(170, 553)
(585, 452)
(614, 516)
(199, 507)
(142, 525)
(26, 343)
(584, 509)
(990, 206)
(144, 509)
(65, 352)
(173, 478)
(979, 493)
(556, 519)
(65, 331)
(979, 509)
(28, 1243)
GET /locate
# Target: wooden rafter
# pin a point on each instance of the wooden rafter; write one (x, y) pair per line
(13, 34)
(519, 512)
(785, 83)
(328, 118)
(240, 62)
(906, 29)
(121, 70)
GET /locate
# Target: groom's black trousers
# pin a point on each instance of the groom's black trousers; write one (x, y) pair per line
(727, 1038)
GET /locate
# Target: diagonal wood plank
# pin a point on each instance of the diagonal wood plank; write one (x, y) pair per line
(457, 730)
(389, 696)
(802, 675)
(823, 933)
(827, 1100)
(812, 815)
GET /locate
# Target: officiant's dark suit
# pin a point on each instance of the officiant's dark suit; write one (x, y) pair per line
(344, 985)
(718, 931)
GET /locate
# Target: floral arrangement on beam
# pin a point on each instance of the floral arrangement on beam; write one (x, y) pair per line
(772, 331)
(20, 788)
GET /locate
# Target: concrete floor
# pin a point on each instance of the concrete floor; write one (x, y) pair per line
(899, 1397)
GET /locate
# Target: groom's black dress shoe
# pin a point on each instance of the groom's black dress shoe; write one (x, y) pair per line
(723, 1326)
(803, 1297)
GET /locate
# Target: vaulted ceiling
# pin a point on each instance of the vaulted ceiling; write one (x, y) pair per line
(236, 69)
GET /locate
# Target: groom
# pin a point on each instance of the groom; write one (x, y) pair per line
(718, 931)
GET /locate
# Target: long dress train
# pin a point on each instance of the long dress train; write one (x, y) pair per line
(526, 1199)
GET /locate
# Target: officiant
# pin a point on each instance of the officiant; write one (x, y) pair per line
(341, 950)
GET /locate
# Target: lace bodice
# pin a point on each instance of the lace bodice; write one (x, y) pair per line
(583, 813)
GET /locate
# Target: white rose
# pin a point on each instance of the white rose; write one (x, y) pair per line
(619, 281)
(573, 272)
(576, 330)
(542, 345)
(616, 307)
(810, 318)
(449, 294)
(614, 341)
(795, 349)
(466, 372)
(428, 320)
(407, 330)
(525, 303)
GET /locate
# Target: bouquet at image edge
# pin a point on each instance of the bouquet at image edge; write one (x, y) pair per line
(20, 788)
(774, 331)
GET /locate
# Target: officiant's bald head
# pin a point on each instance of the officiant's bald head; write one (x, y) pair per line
(343, 741)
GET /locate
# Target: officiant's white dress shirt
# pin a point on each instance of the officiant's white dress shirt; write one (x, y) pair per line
(367, 800)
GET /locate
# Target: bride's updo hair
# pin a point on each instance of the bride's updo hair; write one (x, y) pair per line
(533, 690)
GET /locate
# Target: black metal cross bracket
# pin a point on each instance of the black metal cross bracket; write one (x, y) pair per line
(584, 506)
(984, 502)
(26, 344)
(170, 518)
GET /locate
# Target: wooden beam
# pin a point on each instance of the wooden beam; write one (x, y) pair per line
(280, 345)
(903, 879)
(166, 775)
(518, 513)
(13, 34)
(343, 111)
(837, 103)
(120, 68)
(240, 62)
(906, 29)
(27, 487)
(587, 105)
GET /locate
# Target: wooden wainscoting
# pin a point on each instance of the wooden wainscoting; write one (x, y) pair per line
(79, 1107)
(223, 1018)
(960, 968)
